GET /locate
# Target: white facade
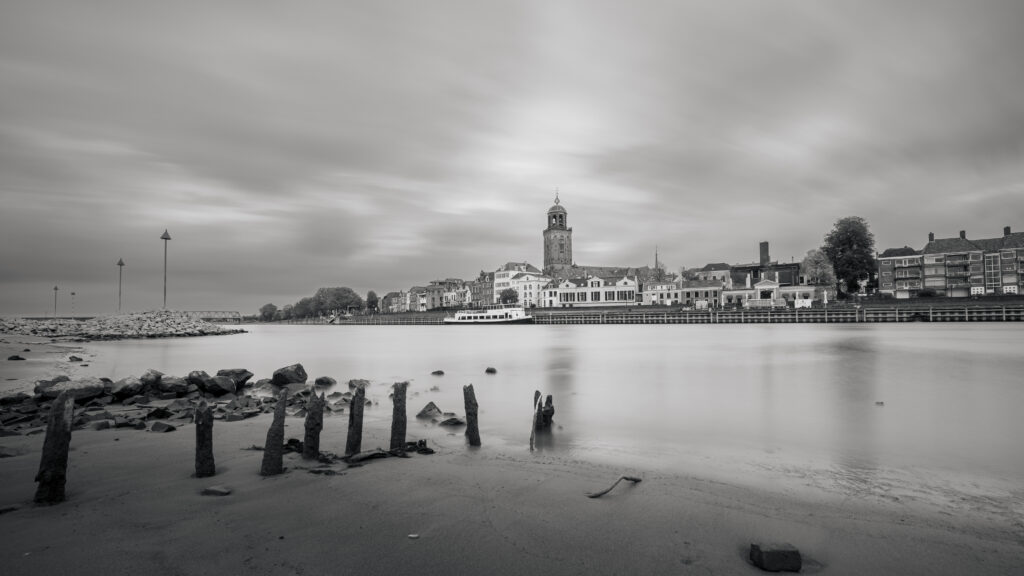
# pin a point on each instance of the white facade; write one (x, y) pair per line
(530, 287)
(590, 292)
(660, 294)
(503, 277)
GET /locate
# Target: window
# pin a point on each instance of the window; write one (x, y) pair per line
(609, 295)
(595, 296)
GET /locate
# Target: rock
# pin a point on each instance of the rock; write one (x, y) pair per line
(452, 422)
(44, 384)
(216, 491)
(74, 359)
(27, 350)
(127, 387)
(294, 374)
(81, 390)
(14, 399)
(491, 370)
(173, 385)
(437, 373)
(358, 383)
(198, 378)
(429, 411)
(325, 381)
(161, 427)
(775, 557)
(151, 379)
(102, 424)
(15, 357)
(240, 375)
(221, 385)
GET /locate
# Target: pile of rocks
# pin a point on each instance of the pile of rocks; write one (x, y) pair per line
(158, 324)
(141, 402)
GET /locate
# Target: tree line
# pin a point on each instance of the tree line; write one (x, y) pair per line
(325, 302)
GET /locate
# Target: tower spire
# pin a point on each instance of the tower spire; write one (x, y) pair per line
(556, 196)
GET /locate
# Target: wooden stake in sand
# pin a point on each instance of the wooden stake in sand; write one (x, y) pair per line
(53, 467)
(354, 442)
(204, 441)
(398, 418)
(273, 450)
(535, 425)
(472, 429)
(314, 424)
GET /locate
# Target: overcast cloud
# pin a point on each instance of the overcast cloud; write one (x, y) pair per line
(379, 145)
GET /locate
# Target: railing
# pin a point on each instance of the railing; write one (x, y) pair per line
(220, 316)
(958, 273)
(765, 303)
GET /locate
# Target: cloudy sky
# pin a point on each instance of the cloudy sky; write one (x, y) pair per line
(378, 145)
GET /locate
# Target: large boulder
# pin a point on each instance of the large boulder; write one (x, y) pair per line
(294, 374)
(151, 379)
(325, 382)
(221, 385)
(172, 384)
(42, 385)
(127, 387)
(775, 557)
(81, 390)
(198, 378)
(430, 411)
(239, 375)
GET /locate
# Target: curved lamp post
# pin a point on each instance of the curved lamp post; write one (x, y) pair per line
(120, 270)
(55, 302)
(165, 237)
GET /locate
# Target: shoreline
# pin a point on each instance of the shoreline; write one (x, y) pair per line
(495, 509)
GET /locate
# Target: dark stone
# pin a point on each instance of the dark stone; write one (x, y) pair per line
(437, 373)
(102, 424)
(172, 384)
(273, 450)
(472, 429)
(221, 385)
(775, 557)
(45, 384)
(198, 378)
(452, 422)
(240, 375)
(127, 387)
(81, 390)
(547, 413)
(151, 379)
(74, 359)
(430, 411)
(491, 370)
(53, 466)
(162, 427)
(314, 425)
(325, 382)
(294, 374)
(14, 399)
(398, 417)
(15, 357)
(205, 465)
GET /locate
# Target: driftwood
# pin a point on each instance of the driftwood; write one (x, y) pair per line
(368, 455)
(632, 479)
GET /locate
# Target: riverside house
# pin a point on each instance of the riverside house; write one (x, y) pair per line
(591, 292)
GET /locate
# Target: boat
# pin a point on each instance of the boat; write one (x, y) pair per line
(496, 314)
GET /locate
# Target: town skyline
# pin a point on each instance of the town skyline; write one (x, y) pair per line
(380, 147)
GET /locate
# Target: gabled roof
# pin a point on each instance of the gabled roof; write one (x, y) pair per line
(905, 251)
(520, 266)
(715, 266)
(943, 245)
(1015, 240)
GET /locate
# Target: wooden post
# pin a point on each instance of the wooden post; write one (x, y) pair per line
(398, 418)
(536, 418)
(205, 465)
(53, 467)
(548, 412)
(314, 424)
(472, 428)
(354, 442)
(273, 450)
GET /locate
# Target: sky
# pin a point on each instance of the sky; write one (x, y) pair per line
(287, 146)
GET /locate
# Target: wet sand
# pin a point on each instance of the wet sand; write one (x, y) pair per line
(133, 507)
(44, 360)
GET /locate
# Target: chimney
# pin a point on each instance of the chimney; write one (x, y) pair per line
(963, 234)
(1006, 231)
(764, 254)
(748, 279)
(931, 236)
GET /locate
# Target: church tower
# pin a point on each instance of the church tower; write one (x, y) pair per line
(557, 242)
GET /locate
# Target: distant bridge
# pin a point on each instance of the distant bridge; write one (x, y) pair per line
(217, 316)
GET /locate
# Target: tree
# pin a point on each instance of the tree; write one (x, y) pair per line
(817, 269)
(372, 301)
(267, 312)
(850, 246)
(508, 296)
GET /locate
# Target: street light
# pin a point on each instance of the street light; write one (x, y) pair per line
(55, 302)
(72, 305)
(120, 269)
(165, 237)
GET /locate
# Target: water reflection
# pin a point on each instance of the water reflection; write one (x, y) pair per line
(854, 371)
(560, 384)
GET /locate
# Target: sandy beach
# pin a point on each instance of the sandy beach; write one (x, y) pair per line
(133, 507)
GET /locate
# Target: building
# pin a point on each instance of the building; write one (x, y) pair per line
(783, 273)
(503, 277)
(660, 294)
(770, 293)
(482, 290)
(701, 294)
(530, 287)
(416, 299)
(955, 267)
(557, 241)
(590, 292)
(715, 271)
(394, 303)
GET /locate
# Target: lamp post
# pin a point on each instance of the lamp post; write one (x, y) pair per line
(165, 237)
(120, 270)
(72, 305)
(55, 302)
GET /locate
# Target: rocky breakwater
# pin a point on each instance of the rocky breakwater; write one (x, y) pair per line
(157, 401)
(158, 324)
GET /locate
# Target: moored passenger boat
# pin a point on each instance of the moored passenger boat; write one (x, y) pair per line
(497, 314)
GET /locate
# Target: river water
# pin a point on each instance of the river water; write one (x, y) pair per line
(858, 408)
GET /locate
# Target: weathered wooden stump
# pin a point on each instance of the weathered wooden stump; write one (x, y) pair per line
(204, 441)
(314, 424)
(548, 412)
(53, 467)
(273, 450)
(472, 429)
(354, 442)
(398, 418)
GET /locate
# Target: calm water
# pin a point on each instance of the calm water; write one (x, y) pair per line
(770, 402)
